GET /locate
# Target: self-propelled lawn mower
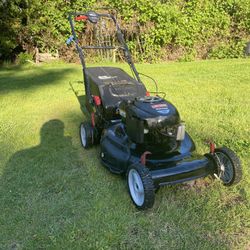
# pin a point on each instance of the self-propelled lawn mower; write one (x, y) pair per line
(141, 135)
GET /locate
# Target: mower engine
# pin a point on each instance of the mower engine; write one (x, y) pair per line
(153, 123)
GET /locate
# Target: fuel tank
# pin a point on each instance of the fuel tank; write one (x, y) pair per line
(155, 111)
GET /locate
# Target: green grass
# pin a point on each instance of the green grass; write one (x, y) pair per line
(56, 195)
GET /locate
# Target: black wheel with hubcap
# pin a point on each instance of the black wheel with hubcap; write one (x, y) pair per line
(229, 167)
(86, 135)
(141, 186)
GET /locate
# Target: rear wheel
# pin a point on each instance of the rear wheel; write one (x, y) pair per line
(86, 135)
(141, 186)
(229, 167)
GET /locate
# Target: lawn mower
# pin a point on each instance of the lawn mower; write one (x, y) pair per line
(140, 135)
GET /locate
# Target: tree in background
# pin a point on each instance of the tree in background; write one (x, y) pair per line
(27, 24)
(154, 29)
(11, 19)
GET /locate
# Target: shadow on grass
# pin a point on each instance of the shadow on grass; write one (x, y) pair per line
(13, 78)
(48, 200)
(38, 190)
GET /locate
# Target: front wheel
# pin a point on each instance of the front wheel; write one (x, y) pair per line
(229, 169)
(141, 186)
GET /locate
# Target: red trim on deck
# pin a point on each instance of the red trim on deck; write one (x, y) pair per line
(93, 119)
(144, 156)
(212, 147)
(97, 100)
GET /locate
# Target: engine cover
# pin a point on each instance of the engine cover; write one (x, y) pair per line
(153, 122)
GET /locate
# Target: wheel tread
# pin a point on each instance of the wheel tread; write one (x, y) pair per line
(148, 186)
(89, 134)
(235, 162)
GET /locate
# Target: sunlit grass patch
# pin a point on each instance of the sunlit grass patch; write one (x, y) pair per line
(56, 195)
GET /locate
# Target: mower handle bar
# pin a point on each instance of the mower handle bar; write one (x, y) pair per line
(77, 13)
(120, 37)
(93, 17)
(80, 13)
(101, 47)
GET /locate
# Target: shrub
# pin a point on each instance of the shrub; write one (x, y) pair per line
(151, 26)
(231, 49)
(24, 58)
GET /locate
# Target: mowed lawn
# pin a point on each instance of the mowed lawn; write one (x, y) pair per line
(56, 195)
